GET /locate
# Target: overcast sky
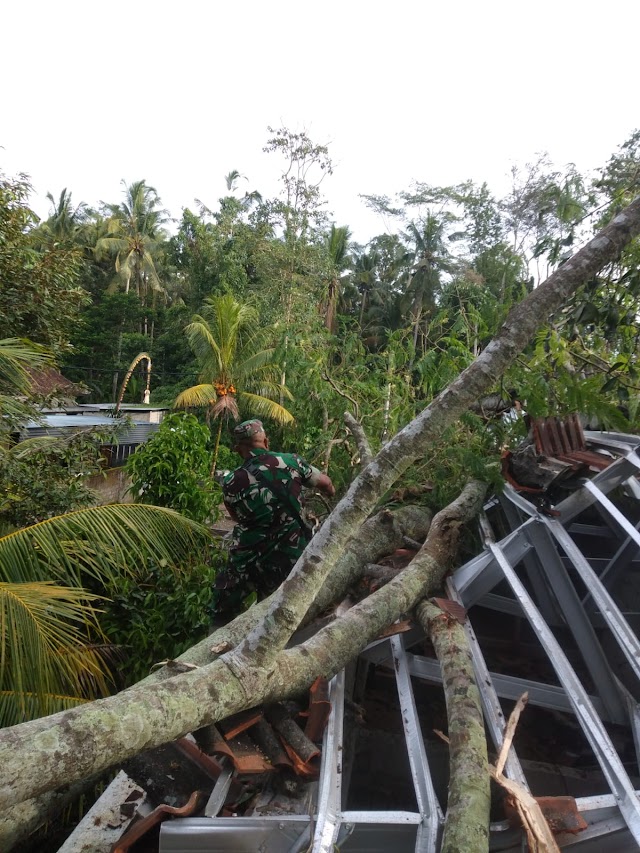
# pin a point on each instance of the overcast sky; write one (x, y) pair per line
(181, 93)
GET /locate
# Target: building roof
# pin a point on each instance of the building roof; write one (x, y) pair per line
(47, 381)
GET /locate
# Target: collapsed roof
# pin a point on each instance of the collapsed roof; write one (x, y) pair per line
(556, 585)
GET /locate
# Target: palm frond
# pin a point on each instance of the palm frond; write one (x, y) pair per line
(32, 445)
(43, 632)
(270, 390)
(257, 405)
(259, 361)
(16, 356)
(205, 348)
(198, 395)
(99, 542)
(226, 405)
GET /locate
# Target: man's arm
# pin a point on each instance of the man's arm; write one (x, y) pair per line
(232, 512)
(322, 482)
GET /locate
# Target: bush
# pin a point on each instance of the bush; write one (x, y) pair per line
(173, 469)
(160, 612)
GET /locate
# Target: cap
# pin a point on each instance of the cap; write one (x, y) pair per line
(247, 428)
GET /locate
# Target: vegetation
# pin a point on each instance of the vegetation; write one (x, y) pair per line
(172, 469)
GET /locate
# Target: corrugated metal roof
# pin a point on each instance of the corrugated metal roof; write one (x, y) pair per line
(61, 424)
(65, 421)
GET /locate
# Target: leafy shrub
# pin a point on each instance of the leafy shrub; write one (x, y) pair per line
(38, 482)
(173, 469)
(160, 613)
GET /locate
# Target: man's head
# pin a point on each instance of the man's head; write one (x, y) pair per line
(249, 434)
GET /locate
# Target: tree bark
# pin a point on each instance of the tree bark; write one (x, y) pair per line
(467, 820)
(362, 442)
(77, 743)
(378, 537)
(296, 594)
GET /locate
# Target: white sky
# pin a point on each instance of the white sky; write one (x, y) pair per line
(181, 93)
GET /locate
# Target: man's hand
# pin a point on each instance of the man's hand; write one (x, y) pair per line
(325, 485)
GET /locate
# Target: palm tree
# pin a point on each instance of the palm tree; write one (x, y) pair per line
(133, 235)
(337, 246)
(50, 639)
(428, 258)
(65, 221)
(235, 372)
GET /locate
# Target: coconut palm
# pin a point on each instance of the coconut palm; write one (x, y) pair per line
(236, 373)
(133, 235)
(428, 258)
(337, 246)
(50, 641)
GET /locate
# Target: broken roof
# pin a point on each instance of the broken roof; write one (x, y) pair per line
(566, 567)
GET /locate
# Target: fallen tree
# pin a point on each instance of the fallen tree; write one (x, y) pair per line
(78, 743)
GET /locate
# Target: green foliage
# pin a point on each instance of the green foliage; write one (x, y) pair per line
(40, 296)
(50, 575)
(45, 477)
(158, 613)
(172, 469)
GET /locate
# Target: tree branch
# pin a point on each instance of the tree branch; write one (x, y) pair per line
(362, 441)
(467, 820)
(344, 394)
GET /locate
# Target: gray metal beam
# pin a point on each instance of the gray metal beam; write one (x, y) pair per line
(591, 724)
(618, 472)
(577, 620)
(490, 703)
(330, 792)
(480, 575)
(428, 805)
(618, 625)
(542, 592)
(613, 511)
(508, 686)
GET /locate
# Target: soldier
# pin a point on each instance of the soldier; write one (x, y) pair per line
(263, 498)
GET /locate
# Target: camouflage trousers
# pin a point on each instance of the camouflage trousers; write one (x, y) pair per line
(258, 567)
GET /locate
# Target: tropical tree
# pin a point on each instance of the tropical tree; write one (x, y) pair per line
(134, 232)
(65, 222)
(51, 576)
(429, 259)
(236, 373)
(40, 295)
(337, 246)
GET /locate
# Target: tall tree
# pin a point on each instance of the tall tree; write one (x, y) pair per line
(236, 372)
(337, 245)
(40, 292)
(134, 236)
(429, 259)
(134, 233)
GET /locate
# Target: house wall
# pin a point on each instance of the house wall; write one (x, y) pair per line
(110, 487)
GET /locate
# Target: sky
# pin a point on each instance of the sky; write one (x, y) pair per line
(182, 93)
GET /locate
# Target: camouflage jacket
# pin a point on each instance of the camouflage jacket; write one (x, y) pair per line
(264, 521)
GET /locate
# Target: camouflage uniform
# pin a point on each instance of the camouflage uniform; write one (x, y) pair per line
(268, 538)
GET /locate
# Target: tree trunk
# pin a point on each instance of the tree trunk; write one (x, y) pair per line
(74, 744)
(216, 447)
(467, 820)
(378, 536)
